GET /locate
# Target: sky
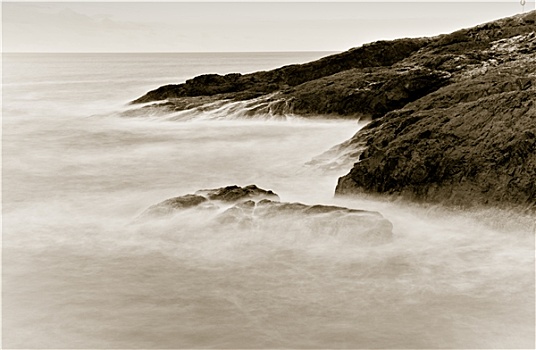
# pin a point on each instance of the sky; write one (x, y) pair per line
(233, 26)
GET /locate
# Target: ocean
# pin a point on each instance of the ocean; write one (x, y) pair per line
(80, 272)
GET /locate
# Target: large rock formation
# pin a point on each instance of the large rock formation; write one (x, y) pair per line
(471, 142)
(367, 81)
(252, 208)
(238, 86)
(453, 117)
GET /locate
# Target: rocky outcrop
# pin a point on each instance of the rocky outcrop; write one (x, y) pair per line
(471, 142)
(364, 82)
(252, 208)
(238, 86)
(237, 193)
(481, 152)
(452, 117)
(207, 198)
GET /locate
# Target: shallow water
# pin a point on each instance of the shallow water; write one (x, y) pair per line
(79, 273)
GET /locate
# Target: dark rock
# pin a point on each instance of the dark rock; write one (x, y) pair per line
(271, 215)
(235, 193)
(206, 198)
(369, 95)
(364, 82)
(477, 152)
(267, 207)
(470, 142)
(381, 53)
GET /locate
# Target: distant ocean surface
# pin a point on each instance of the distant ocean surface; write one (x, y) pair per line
(78, 272)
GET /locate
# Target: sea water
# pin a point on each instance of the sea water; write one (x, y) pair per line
(79, 272)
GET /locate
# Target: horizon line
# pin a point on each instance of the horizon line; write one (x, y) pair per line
(163, 52)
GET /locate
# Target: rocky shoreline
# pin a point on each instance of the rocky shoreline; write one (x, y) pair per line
(453, 117)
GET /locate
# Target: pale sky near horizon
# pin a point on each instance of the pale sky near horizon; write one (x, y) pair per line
(232, 27)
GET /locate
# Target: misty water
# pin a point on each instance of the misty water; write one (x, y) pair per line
(80, 272)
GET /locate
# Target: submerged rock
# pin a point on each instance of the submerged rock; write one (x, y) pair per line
(170, 205)
(249, 208)
(325, 220)
(240, 214)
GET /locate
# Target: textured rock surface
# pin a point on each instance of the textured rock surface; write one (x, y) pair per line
(252, 208)
(362, 94)
(470, 142)
(236, 193)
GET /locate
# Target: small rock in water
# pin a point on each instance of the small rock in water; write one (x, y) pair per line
(235, 193)
(253, 208)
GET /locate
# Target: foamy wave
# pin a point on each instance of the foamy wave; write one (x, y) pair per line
(269, 107)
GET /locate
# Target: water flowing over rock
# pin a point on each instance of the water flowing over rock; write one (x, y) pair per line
(252, 208)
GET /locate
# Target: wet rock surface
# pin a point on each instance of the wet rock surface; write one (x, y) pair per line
(252, 208)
